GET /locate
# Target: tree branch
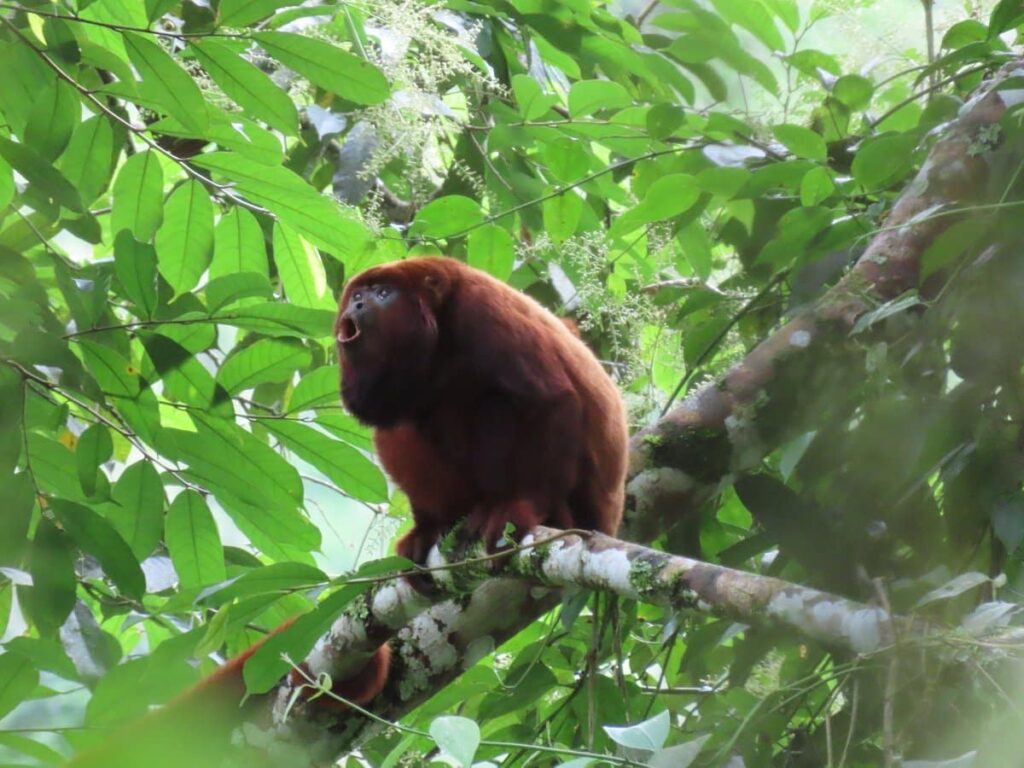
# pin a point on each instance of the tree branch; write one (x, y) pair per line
(730, 424)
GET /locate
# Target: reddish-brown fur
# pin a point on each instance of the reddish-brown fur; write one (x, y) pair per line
(486, 405)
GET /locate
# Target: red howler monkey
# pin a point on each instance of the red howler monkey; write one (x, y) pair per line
(486, 406)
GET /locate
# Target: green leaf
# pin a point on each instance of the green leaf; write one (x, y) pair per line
(19, 495)
(318, 387)
(267, 360)
(755, 18)
(533, 103)
(138, 203)
(679, 755)
(241, 13)
(562, 215)
(95, 446)
(53, 578)
(951, 244)
(457, 737)
(135, 267)
(18, 679)
(7, 188)
(301, 270)
(816, 186)
(231, 130)
(53, 117)
(446, 216)
(295, 202)
(53, 467)
(332, 68)
(185, 378)
(222, 455)
(350, 470)
(668, 196)
(275, 319)
(854, 91)
(802, 142)
(193, 541)
(282, 534)
(170, 84)
(98, 537)
(663, 120)
(184, 242)
(589, 96)
(953, 588)
(88, 162)
(882, 160)
(238, 245)
(345, 427)
(277, 578)
(247, 86)
(51, 182)
(266, 667)
(61, 41)
(492, 249)
(229, 289)
(649, 735)
(114, 374)
(138, 509)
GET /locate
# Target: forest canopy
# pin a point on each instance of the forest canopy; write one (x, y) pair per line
(790, 232)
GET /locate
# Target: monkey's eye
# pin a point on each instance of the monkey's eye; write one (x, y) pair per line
(383, 292)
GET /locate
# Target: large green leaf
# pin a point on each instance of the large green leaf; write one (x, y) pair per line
(18, 679)
(177, 92)
(184, 242)
(53, 117)
(345, 466)
(589, 96)
(266, 360)
(137, 511)
(667, 197)
(88, 162)
(301, 270)
(240, 13)
(492, 249)
(319, 387)
(135, 267)
(447, 216)
(295, 202)
(275, 319)
(98, 537)
(30, 164)
(276, 578)
(328, 66)
(193, 541)
(138, 196)
(246, 84)
(230, 130)
(238, 245)
(221, 454)
(267, 665)
(95, 447)
(114, 374)
(53, 578)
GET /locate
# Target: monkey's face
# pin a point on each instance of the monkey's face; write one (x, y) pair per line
(386, 335)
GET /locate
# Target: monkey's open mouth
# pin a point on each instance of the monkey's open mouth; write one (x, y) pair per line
(348, 331)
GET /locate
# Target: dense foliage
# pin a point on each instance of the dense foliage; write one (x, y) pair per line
(184, 187)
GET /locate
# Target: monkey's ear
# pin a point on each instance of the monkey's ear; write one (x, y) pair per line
(436, 287)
